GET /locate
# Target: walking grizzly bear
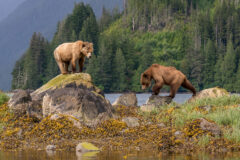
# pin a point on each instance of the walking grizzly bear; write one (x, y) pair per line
(67, 53)
(165, 75)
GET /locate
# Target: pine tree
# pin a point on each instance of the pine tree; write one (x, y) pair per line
(105, 65)
(119, 79)
(209, 64)
(229, 67)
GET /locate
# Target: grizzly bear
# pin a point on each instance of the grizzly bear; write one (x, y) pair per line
(67, 53)
(165, 75)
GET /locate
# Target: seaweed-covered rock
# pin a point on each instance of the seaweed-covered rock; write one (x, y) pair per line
(21, 104)
(210, 126)
(131, 121)
(75, 96)
(127, 99)
(202, 126)
(76, 122)
(155, 102)
(210, 93)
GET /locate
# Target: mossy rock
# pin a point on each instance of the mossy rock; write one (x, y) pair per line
(77, 80)
(62, 81)
(210, 93)
(86, 147)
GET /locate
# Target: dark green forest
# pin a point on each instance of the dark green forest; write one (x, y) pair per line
(200, 38)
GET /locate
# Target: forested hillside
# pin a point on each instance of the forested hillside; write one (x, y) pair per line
(200, 38)
(35, 16)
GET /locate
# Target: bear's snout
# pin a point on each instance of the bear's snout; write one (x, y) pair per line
(89, 55)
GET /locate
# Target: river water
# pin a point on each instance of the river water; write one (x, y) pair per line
(113, 155)
(142, 97)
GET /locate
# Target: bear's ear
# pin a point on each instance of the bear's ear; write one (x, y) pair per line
(145, 75)
(85, 44)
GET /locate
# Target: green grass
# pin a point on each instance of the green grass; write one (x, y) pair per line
(204, 140)
(220, 114)
(3, 98)
(225, 112)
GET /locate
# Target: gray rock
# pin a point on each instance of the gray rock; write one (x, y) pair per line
(131, 121)
(127, 99)
(158, 100)
(178, 133)
(210, 126)
(207, 108)
(89, 107)
(161, 125)
(51, 148)
(148, 107)
(21, 104)
(19, 97)
(155, 102)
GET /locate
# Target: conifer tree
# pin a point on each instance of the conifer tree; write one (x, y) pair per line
(209, 64)
(119, 79)
(229, 67)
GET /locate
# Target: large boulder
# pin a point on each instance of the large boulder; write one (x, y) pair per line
(155, 102)
(210, 93)
(78, 80)
(127, 99)
(74, 95)
(21, 104)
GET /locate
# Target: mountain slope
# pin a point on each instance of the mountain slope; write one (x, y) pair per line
(6, 7)
(32, 16)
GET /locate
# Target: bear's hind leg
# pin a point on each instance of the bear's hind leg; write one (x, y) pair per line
(66, 64)
(73, 62)
(174, 89)
(61, 67)
(187, 84)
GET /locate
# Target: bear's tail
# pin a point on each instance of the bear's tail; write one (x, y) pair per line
(187, 84)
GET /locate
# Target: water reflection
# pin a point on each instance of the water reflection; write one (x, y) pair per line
(66, 155)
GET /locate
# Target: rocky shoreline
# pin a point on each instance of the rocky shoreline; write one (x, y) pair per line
(69, 110)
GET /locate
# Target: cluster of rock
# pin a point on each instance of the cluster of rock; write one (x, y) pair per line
(73, 95)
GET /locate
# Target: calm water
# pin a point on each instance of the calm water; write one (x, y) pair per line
(142, 97)
(63, 155)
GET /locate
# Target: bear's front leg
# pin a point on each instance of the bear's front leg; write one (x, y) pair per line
(156, 88)
(81, 62)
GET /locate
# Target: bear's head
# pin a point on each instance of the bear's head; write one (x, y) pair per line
(145, 80)
(87, 49)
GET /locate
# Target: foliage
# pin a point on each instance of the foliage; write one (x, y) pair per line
(3, 98)
(200, 38)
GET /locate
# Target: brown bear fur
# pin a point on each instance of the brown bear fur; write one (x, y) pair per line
(165, 75)
(67, 53)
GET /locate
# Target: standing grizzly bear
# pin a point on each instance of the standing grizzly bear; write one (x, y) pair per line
(165, 75)
(67, 53)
